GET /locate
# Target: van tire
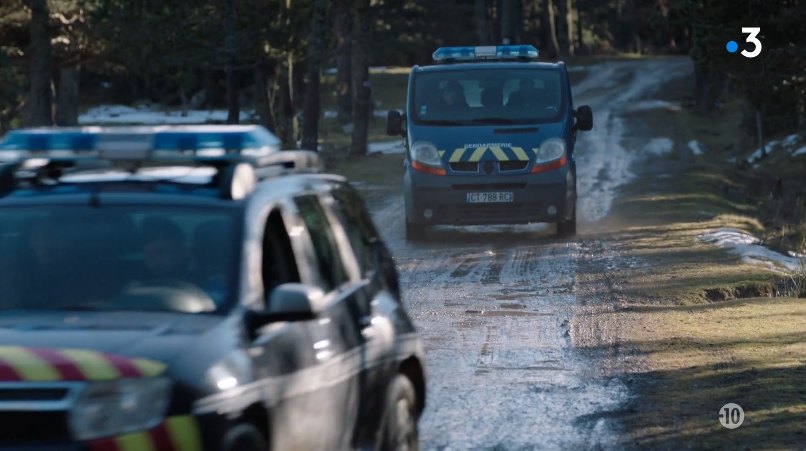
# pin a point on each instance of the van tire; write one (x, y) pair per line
(415, 231)
(568, 228)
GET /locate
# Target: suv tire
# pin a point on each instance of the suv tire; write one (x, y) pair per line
(243, 437)
(399, 421)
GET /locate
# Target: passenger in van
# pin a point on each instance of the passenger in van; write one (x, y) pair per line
(453, 95)
(527, 94)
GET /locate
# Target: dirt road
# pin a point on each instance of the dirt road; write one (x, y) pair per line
(494, 304)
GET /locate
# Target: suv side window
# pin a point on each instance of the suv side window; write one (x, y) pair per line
(279, 265)
(358, 225)
(331, 268)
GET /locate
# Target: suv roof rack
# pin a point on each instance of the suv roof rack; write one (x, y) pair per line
(232, 149)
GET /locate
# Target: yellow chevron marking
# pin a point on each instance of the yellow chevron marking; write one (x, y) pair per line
(28, 365)
(499, 153)
(457, 155)
(148, 368)
(138, 441)
(441, 153)
(184, 433)
(520, 153)
(93, 364)
(477, 154)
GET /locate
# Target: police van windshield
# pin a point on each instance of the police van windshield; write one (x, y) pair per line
(488, 96)
(116, 258)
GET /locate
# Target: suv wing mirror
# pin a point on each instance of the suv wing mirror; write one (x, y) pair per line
(288, 302)
(395, 123)
(584, 116)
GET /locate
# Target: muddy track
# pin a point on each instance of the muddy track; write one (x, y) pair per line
(495, 305)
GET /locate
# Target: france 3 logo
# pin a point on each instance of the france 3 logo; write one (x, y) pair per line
(752, 32)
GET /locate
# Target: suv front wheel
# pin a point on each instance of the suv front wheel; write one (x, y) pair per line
(399, 423)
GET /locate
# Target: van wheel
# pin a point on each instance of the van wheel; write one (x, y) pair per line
(415, 231)
(243, 437)
(399, 421)
(568, 228)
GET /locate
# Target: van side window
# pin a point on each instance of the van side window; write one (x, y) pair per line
(331, 268)
(279, 265)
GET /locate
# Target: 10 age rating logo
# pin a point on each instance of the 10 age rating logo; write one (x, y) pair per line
(731, 415)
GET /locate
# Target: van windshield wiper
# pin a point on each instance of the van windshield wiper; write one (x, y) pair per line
(442, 122)
(496, 120)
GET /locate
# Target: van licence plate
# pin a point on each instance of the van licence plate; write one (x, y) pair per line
(489, 198)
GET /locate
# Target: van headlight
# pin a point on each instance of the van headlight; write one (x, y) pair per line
(425, 153)
(551, 149)
(110, 408)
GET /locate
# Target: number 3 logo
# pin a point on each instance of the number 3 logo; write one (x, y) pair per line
(753, 32)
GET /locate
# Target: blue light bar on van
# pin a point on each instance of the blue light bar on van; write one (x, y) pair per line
(501, 52)
(137, 143)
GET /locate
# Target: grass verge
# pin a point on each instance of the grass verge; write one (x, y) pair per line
(688, 325)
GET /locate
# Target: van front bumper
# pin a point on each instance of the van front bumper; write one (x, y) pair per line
(434, 199)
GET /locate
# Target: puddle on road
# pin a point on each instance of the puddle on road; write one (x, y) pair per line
(506, 313)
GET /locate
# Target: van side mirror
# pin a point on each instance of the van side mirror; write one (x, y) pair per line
(584, 116)
(287, 302)
(395, 123)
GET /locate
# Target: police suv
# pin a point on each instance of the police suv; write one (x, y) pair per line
(490, 133)
(194, 288)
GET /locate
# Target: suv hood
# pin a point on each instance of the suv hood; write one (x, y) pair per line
(94, 345)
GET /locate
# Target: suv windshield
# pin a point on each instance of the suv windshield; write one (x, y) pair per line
(488, 96)
(116, 258)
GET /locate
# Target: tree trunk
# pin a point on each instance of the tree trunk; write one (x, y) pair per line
(262, 96)
(233, 106)
(40, 98)
(482, 32)
(342, 31)
(580, 45)
(67, 101)
(360, 72)
(564, 29)
(310, 112)
(507, 21)
(283, 108)
(549, 28)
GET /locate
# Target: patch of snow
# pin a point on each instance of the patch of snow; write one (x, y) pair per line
(645, 105)
(750, 250)
(387, 147)
(659, 146)
(790, 141)
(762, 152)
(695, 147)
(121, 114)
(332, 114)
(801, 151)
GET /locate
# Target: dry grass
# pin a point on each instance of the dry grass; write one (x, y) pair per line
(688, 325)
(696, 359)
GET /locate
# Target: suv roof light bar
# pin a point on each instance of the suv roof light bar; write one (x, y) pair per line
(486, 53)
(179, 144)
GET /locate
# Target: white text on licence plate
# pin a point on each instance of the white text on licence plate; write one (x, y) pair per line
(487, 198)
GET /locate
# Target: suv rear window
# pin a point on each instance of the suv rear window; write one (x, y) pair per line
(488, 96)
(117, 258)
